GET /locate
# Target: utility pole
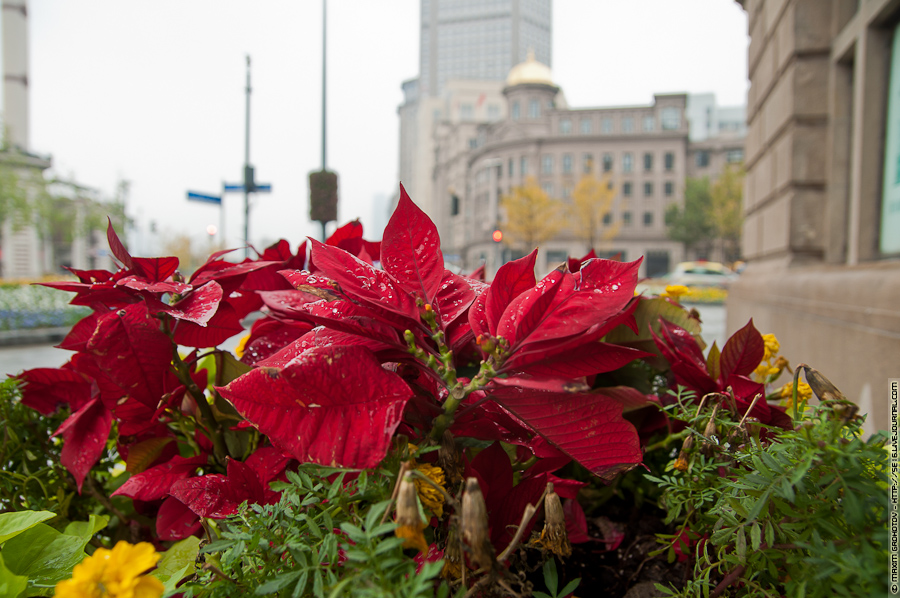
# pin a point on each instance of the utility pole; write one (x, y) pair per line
(323, 184)
(248, 170)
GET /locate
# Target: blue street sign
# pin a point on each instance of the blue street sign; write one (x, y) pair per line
(193, 196)
(262, 188)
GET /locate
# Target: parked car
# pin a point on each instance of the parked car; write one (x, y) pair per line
(701, 274)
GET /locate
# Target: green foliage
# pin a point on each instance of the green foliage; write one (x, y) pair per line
(799, 513)
(551, 579)
(325, 537)
(24, 306)
(692, 224)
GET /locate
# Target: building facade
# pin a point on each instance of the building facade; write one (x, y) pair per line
(467, 48)
(644, 152)
(822, 195)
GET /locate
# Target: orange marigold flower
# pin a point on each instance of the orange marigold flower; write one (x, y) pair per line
(116, 573)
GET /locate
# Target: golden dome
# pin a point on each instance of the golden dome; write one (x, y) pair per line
(530, 71)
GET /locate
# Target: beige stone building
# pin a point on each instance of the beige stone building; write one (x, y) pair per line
(822, 196)
(644, 150)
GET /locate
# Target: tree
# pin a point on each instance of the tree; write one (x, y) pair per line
(726, 210)
(532, 217)
(692, 224)
(591, 201)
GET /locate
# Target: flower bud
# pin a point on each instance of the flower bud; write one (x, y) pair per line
(409, 524)
(474, 526)
(553, 536)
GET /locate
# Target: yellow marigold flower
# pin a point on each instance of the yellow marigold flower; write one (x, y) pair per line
(241, 346)
(116, 573)
(804, 391)
(675, 291)
(431, 497)
(772, 346)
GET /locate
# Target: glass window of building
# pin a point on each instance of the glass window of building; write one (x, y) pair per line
(734, 156)
(626, 218)
(534, 109)
(510, 167)
(565, 127)
(547, 164)
(567, 163)
(493, 112)
(607, 218)
(628, 125)
(473, 143)
(670, 161)
(606, 125)
(607, 162)
(627, 162)
(702, 159)
(523, 166)
(648, 189)
(648, 218)
(586, 126)
(466, 112)
(567, 192)
(588, 163)
(454, 205)
(671, 119)
(514, 110)
(648, 162)
(626, 189)
(547, 188)
(649, 123)
(670, 188)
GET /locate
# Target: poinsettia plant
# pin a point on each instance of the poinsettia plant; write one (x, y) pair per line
(361, 351)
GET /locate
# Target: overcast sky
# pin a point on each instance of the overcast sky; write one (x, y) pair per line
(152, 91)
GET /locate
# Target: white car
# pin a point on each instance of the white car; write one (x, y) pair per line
(701, 274)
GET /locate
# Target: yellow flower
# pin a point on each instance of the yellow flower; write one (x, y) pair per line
(772, 346)
(675, 291)
(431, 497)
(804, 392)
(241, 346)
(115, 573)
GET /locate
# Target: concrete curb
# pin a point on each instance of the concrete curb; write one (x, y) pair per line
(34, 336)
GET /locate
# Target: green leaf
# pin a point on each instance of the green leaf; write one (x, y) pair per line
(229, 368)
(13, 524)
(758, 505)
(755, 536)
(570, 587)
(550, 576)
(177, 562)
(301, 584)
(355, 534)
(11, 585)
(86, 529)
(740, 545)
(43, 555)
(277, 583)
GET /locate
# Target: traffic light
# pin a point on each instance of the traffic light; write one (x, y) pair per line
(497, 235)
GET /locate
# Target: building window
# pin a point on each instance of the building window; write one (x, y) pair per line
(627, 162)
(523, 166)
(510, 167)
(670, 161)
(586, 126)
(493, 112)
(454, 205)
(547, 188)
(702, 159)
(649, 123)
(607, 162)
(628, 125)
(588, 163)
(607, 218)
(626, 218)
(567, 163)
(466, 112)
(473, 143)
(534, 109)
(671, 119)
(567, 191)
(648, 189)
(648, 218)
(734, 156)
(515, 110)
(670, 188)
(606, 125)
(626, 189)
(547, 164)
(565, 127)
(648, 162)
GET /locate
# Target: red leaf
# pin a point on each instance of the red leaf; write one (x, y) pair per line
(411, 249)
(175, 521)
(133, 352)
(685, 358)
(351, 230)
(198, 306)
(477, 273)
(548, 383)
(629, 398)
(527, 311)
(512, 279)
(584, 360)
(330, 405)
(115, 245)
(575, 263)
(155, 483)
(742, 353)
(219, 496)
(85, 434)
(157, 269)
(576, 522)
(221, 327)
(376, 288)
(78, 336)
(453, 297)
(142, 284)
(48, 388)
(589, 428)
